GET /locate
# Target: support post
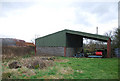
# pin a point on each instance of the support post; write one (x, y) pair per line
(35, 48)
(109, 48)
(64, 51)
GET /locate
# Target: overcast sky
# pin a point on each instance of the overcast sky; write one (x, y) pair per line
(23, 19)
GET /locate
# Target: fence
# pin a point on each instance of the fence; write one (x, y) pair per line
(8, 42)
(117, 52)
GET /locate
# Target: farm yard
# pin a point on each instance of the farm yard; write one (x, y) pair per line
(21, 62)
(39, 67)
(62, 40)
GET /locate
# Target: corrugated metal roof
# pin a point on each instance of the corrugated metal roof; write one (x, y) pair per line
(88, 35)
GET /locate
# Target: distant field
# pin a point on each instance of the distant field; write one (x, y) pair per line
(68, 68)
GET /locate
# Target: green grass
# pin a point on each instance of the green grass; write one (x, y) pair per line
(93, 68)
(72, 68)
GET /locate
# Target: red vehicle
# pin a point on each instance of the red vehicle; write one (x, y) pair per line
(99, 53)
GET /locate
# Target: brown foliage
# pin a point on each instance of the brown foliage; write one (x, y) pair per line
(10, 51)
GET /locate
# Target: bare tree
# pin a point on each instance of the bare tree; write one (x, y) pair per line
(117, 38)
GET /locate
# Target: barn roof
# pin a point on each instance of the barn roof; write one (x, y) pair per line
(60, 38)
(88, 35)
(84, 34)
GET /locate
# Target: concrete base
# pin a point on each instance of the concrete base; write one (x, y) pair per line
(56, 51)
(71, 51)
(50, 51)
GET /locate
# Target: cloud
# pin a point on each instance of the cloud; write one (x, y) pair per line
(102, 11)
(25, 20)
(40, 19)
(7, 7)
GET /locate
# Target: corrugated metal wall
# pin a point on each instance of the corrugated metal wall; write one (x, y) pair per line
(8, 42)
(56, 39)
(60, 39)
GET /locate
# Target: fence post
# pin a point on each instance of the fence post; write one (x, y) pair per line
(64, 51)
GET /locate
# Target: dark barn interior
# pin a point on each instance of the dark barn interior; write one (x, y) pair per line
(75, 41)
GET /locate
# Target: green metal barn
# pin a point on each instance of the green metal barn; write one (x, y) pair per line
(67, 43)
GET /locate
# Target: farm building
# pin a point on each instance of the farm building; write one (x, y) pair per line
(67, 42)
(15, 42)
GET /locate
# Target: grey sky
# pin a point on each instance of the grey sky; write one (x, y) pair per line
(6, 7)
(24, 20)
(119, 14)
(104, 11)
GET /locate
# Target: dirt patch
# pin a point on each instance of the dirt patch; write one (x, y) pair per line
(61, 60)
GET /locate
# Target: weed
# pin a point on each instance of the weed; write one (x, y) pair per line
(6, 75)
(26, 56)
(52, 71)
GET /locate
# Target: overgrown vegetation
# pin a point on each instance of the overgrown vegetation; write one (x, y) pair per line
(65, 68)
(115, 39)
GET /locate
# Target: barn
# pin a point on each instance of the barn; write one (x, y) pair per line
(66, 43)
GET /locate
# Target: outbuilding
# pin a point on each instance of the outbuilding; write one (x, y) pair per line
(66, 43)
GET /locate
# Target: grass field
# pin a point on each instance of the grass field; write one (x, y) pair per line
(68, 68)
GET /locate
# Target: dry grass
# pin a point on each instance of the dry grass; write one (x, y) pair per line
(30, 61)
(5, 56)
(24, 70)
(0, 57)
(53, 77)
(66, 70)
(61, 60)
(24, 62)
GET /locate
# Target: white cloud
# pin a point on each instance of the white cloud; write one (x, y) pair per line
(48, 17)
(36, 19)
(59, 0)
